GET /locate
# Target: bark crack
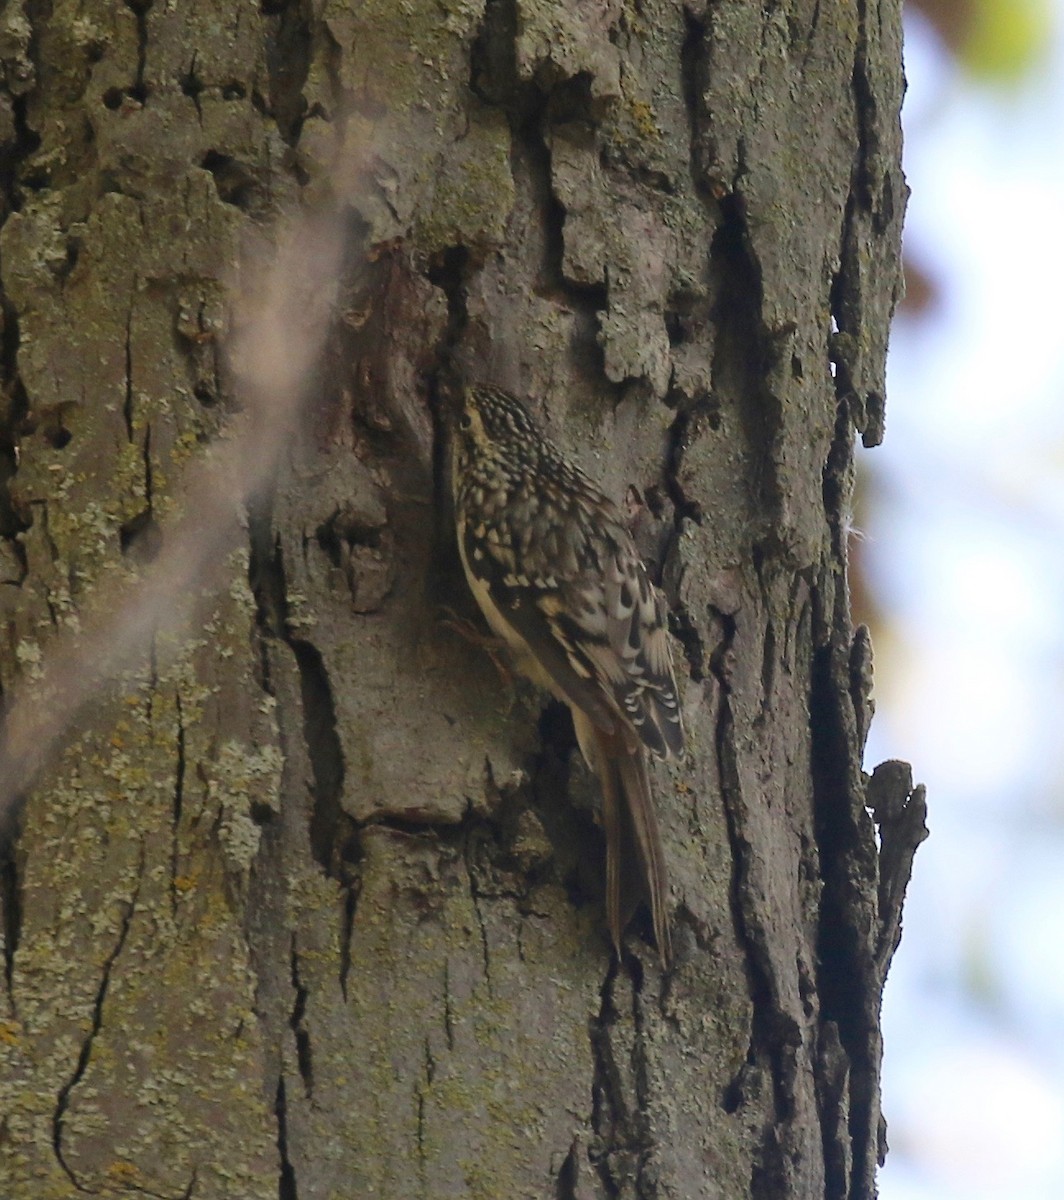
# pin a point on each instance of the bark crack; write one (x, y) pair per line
(448, 1009)
(531, 111)
(606, 1094)
(849, 992)
(286, 1183)
(178, 804)
(681, 624)
(324, 750)
(63, 1098)
(684, 509)
(568, 1179)
(448, 275)
(493, 60)
(333, 834)
(127, 405)
(141, 536)
(745, 352)
(868, 146)
(420, 1094)
(192, 86)
(624, 1141)
(872, 220)
(481, 924)
(297, 1025)
(856, 935)
(585, 299)
(139, 8)
(692, 75)
(683, 628)
(422, 1154)
(775, 1037)
(347, 932)
(11, 912)
(288, 58)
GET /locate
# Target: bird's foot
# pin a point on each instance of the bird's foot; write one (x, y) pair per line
(470, 632)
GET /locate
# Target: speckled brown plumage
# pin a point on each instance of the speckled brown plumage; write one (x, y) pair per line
(554, 569)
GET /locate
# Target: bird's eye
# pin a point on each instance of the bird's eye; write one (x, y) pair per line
(465, 420)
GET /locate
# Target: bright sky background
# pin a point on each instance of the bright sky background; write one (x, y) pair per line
(965, 527)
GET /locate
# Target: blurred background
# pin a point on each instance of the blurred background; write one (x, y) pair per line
(960, 573)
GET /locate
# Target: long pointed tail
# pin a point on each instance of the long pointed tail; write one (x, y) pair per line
(635, 861)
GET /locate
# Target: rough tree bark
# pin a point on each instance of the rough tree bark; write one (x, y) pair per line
(313, 907)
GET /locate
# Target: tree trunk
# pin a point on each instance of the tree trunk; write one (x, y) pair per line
(310, 903)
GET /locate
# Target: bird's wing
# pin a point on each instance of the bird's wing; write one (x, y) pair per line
(614, 620)
(521, 612)
(596, 625)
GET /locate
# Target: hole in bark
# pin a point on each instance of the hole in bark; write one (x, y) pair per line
(565, 795)
(232, 178)
(191, 84)
(73, 251)
(25, 142)
(655, 500)
(494, 60)
(448, 272)
(732, 1097)
(234, 91)
(141, 537)
(447, 268)
(568, 1176)
(571, 99)
(36, 180)
(674, 326)
(204, 394)
(344, 529)
(112, 98)
(51, 425)
(261, 105)
(260, 813)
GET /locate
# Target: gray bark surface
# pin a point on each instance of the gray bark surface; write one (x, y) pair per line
(310, 904)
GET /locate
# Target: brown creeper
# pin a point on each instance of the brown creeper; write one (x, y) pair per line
(554, 569)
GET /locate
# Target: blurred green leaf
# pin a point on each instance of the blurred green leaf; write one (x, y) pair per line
(1006, 39)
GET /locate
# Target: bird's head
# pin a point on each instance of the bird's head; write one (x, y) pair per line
(493, 423)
